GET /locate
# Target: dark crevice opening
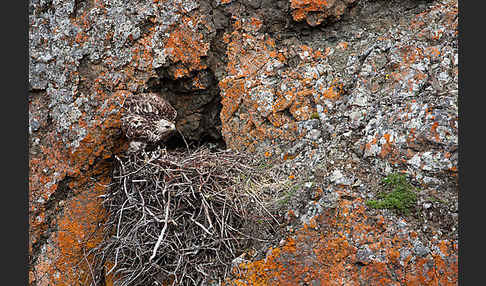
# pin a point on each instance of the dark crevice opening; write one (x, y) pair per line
(205, 105)
(192, 104)
(177, 142)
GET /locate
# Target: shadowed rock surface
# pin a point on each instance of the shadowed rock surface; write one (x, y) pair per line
(341, 92)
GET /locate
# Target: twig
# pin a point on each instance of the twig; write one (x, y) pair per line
(162, 233)
(209, 202)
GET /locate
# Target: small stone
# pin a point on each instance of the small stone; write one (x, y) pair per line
(359, 99)
(420, 250)
(308, 185)
(364, 255)
(314, 134)
(338, 178)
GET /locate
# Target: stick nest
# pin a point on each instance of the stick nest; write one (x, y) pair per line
(182, 217)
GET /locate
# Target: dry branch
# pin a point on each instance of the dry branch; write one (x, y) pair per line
(181, 217)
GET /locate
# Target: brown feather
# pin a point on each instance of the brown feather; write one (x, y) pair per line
(148, 117)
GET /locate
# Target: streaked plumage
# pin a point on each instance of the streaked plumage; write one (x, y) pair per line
(147, 119)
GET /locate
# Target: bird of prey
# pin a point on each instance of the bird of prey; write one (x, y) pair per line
(147, 119)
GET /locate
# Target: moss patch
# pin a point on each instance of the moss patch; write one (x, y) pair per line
(401, 198)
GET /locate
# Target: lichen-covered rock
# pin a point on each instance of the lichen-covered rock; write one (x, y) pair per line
(316, 11)
(379, 96)
(344, 245)
(361, 89)
(384, 98)
(86, 58)
(388, 90)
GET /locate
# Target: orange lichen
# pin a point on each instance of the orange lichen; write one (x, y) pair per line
(369, 144)
(330, 256)
(78, 233)
(434, 132)
(327, 256)
(81, 37)
(255, 23)
(299, 15)
(244, 66)
(334, 91)
(232, 91)
(311, 5)
(75, 226)
(386, 148)
(320, 9)
(343, 45)
(284, 107)
(186, 46)
(432, 52)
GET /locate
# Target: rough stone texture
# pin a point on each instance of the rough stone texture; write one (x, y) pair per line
(379, 90)
(316, 11)
(371, 94)
(86, 57)
(344, 245)
(357, 90)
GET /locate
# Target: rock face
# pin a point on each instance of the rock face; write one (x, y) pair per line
(350, 89)
(316, 11)
(347, 246)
